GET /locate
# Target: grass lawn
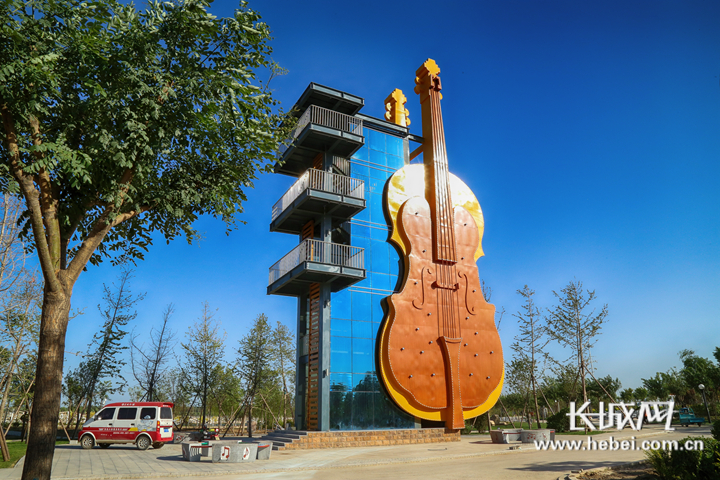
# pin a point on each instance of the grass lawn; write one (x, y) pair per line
(17, 450)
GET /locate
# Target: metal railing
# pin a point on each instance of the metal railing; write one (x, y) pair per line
(320, 180)
(328, 118)
(342, 164)
(321, 252)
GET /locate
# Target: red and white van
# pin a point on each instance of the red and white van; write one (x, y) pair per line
(141, 423)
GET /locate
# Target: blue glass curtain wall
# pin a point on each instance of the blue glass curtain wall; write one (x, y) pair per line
(357, 400)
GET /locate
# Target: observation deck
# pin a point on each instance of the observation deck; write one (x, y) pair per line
(317, 193)
(314, 261)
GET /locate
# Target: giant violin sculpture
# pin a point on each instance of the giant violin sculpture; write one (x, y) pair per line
(440, 353)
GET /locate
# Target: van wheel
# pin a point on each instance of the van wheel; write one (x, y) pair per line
(87, 442)
(143, 443)
(157, 445)
(104, 445)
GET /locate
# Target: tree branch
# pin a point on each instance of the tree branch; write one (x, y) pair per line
(48, 202)
(31, 195)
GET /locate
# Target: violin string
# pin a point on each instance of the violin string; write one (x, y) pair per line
(444, 217)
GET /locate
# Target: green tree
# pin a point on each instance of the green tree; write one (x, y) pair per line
(253, 365)
(605, 388)
(574, 327)
(104, 362)
(117, 125)
(204, 352)
(640, 394)
(664, 384)
(283, 358)
(627, 395)
(150, 364)
(530, 343)
(698, 370)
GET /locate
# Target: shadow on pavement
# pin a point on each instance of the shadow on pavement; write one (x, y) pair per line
(562, 466)
(175, 458)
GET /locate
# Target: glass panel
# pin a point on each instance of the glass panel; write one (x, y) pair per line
(340, 327)
(395, 162)
(379, 233)
(361, 306)
(359, 230)
(340, 382)
(377, 158)
(376, 173)
(106, 414)
(148, 413)
(377, 214)
(359, 170)
(394, 283)
(377, 310)
(387, 415)
(382, 281)
(363, 214)
(166, 413)
(340, 357)
(361, 154)
(340, 410)
(127, 414)
(375, 140)
(380, 250)
(361, 329)
(362, 356)
(362, 406)
(375, 329)
(366, 382)
(394, 145)
(393, 260)
(340, 305)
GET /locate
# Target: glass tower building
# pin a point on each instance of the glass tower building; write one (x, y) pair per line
(343, 267)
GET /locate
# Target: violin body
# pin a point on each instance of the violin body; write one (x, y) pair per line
(440, 352)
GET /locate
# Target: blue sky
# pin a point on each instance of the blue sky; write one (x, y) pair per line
(589, 132)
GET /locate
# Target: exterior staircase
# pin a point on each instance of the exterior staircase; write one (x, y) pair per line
(300, 440)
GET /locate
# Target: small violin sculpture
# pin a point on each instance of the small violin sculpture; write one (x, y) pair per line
(440, 353)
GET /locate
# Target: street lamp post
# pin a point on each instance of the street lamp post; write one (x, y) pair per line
(707, 410)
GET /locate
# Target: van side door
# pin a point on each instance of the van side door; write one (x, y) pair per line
(102, 428)
(126, 424)
(148, 420)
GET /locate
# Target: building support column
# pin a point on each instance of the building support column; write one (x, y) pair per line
(301, 363)
(325, 291)
(324, 360)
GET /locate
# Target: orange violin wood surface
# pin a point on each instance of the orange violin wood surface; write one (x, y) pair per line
(415, 354)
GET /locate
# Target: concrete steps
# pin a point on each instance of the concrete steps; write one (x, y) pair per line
(296, 439)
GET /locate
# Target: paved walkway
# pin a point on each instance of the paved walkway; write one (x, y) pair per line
(473, 457)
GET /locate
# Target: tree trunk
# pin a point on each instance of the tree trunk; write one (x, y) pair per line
(48, 381)
(537, 408)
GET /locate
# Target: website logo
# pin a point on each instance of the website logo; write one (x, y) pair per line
(620, 415)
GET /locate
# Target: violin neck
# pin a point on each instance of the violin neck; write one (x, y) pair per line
(437, 176)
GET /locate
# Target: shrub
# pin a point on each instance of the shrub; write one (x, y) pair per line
(468, 427)
(560, 422)
(687, 464)
(716, 430)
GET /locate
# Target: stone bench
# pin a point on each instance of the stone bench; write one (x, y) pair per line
(227, 451)
(193, 451)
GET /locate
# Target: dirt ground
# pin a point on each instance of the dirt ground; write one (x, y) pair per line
(638, 472)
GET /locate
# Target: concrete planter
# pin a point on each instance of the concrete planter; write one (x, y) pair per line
(506, 435)
(264, 450)
(542, 435)
(249, 451)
